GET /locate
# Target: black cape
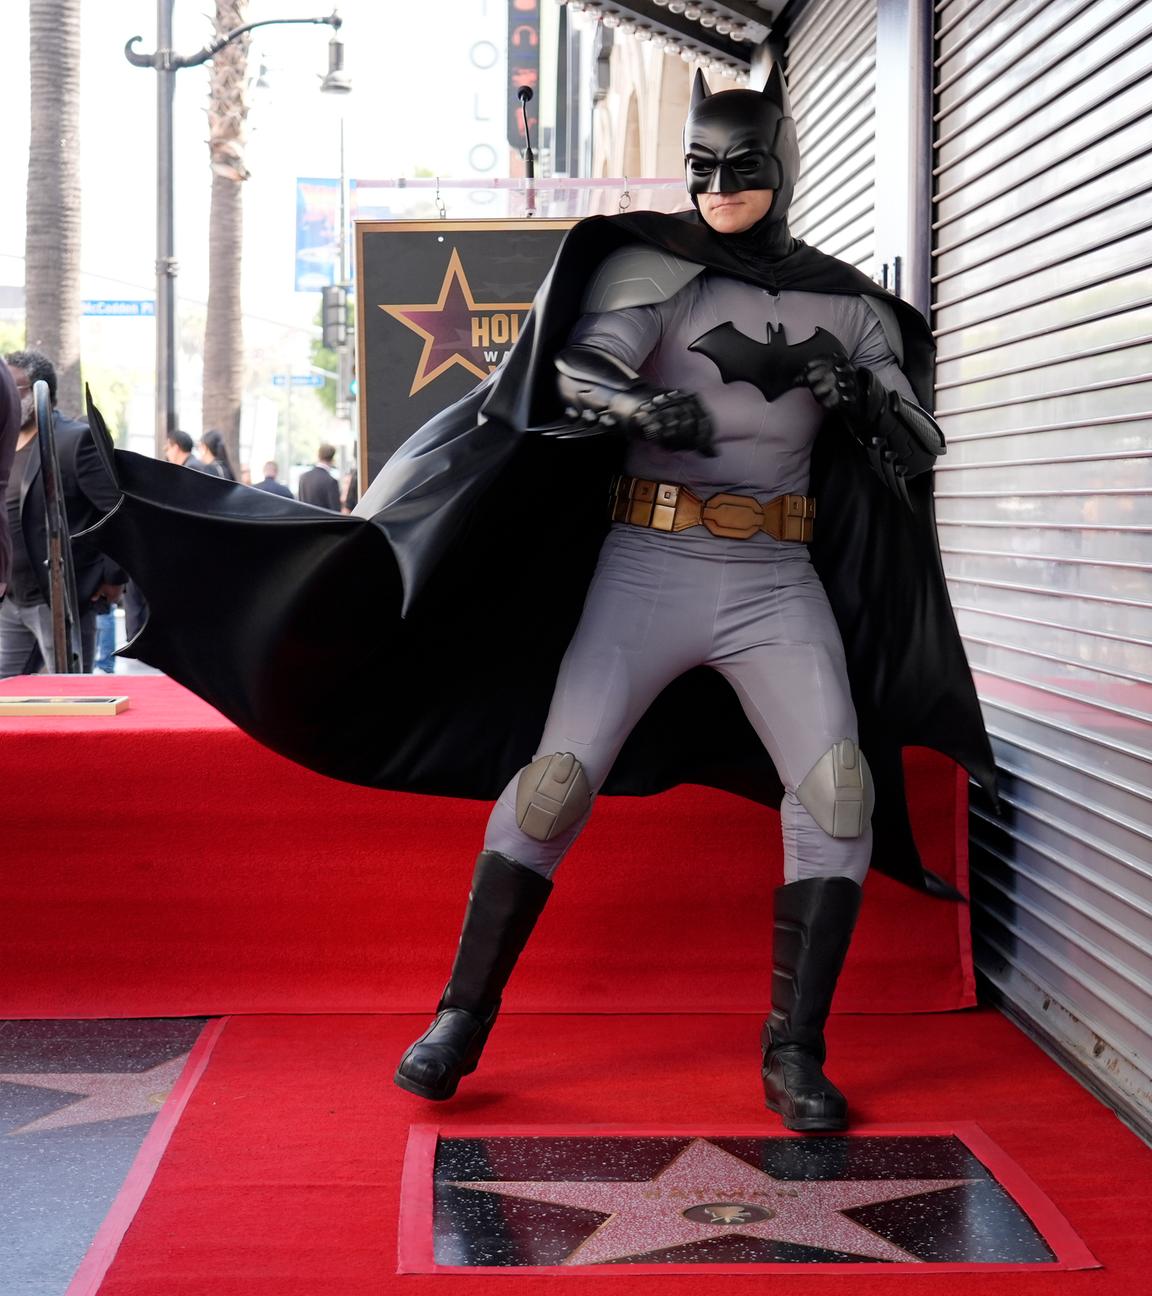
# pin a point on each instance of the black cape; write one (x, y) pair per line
(415, 646)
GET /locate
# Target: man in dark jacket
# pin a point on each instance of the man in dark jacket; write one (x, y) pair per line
(9, 431)
(319, 485)
(178, 450)
(271, 482)
(26, 615)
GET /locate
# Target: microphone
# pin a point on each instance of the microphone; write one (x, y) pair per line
(524, 94)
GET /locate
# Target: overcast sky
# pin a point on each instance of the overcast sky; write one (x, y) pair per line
(414, 87)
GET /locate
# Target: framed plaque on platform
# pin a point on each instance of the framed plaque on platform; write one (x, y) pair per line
(66, 706)
(439, 305)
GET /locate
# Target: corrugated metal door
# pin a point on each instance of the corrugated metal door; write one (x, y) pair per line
(830, 63)
(1042, 253)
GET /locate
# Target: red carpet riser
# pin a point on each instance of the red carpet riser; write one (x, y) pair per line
(160, 862)
(283, 1177)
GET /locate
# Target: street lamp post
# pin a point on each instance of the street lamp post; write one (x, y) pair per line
(167, 63)
(343, 351)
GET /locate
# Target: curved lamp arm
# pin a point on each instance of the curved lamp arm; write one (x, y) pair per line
(172, 61)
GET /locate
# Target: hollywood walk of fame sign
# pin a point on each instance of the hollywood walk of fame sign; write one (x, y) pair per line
(439, 305)
(554, 1202)
(679, 1206)
(458, 330)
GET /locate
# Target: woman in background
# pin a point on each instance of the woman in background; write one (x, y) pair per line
(214, 454)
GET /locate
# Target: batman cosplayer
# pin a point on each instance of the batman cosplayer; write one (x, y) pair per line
(764, 610)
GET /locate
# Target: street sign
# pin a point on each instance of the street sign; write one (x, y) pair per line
(115, 306)
(298, 380)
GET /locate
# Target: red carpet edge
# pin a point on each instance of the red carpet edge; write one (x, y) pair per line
(90, 1275)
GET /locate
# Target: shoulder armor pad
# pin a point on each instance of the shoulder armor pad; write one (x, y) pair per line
(637, 275)
(889, 323)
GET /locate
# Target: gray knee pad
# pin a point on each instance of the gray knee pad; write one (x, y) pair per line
(551, 795)
(837, 791)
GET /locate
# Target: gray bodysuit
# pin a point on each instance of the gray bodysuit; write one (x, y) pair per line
(661, 603)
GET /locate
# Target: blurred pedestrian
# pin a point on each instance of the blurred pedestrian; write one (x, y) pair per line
(214, 455)
(351, 496)
(271, 482)
(9, 431)
(104, 659)
(26, 614)
(319, 485)
(178, 450)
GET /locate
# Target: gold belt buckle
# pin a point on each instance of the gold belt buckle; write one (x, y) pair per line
(735, 517)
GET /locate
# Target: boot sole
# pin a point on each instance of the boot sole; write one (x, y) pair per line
(808, 1124)
(422, 1091)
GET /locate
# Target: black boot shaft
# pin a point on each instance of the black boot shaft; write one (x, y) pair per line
(505, 901)
(814, 921)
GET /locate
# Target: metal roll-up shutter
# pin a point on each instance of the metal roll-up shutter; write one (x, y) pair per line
(830, 64)
(1043, 315)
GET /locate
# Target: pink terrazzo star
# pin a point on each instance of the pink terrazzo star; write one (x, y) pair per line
(100, 1095)
(726, 1196)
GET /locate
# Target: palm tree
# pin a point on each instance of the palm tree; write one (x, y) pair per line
(224, 327)
(52, 240)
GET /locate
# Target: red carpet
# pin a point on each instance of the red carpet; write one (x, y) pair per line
(283, 1176)
(161, 863)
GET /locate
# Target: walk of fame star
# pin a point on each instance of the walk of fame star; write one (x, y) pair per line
(99, 1095)
(446, 327)
(705, 1192)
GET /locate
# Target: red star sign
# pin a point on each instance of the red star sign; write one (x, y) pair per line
(456, 329)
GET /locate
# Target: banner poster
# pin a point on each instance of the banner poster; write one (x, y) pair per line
(317, 232)
(439, 305)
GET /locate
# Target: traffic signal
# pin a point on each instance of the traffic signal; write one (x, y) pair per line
(334, 316)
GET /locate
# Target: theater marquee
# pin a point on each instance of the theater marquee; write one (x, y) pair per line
(439, 305)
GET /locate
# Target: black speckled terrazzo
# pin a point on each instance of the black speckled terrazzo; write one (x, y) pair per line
(522, 1202)
(76, 1100)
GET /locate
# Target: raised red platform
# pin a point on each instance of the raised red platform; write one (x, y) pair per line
(284, 1175)
(160, 862)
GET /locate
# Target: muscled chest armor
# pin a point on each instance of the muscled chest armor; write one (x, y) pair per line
(764, 447)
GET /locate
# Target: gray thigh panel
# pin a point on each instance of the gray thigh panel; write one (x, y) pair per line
(787, 666)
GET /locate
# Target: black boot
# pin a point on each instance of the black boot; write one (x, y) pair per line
(813, 927)
(504, 903)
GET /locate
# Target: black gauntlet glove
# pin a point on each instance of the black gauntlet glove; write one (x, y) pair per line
(900, 439)
(602, 393)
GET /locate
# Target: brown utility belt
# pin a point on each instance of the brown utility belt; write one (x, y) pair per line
(666, 506)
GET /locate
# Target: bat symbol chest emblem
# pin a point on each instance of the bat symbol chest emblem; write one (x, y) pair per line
(773, 367)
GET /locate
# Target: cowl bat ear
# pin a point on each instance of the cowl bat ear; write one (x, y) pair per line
(700, 90)
(776, 91)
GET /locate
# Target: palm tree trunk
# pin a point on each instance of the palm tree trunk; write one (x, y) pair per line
(52, 241)
(224, 328)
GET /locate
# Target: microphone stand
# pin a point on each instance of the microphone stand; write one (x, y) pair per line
(524, 94)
